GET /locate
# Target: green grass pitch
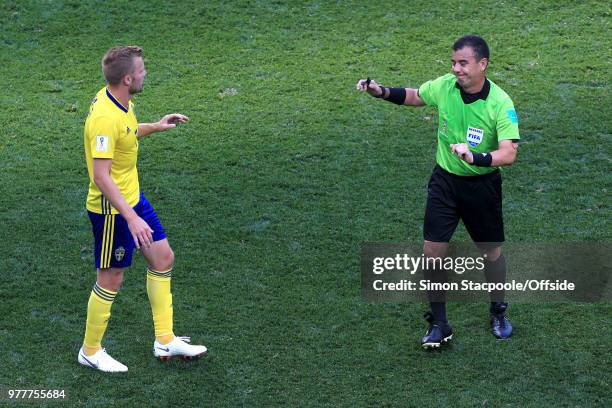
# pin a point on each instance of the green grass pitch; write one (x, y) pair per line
(270, 189)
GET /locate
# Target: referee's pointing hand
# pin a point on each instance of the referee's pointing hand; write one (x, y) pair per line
(370, 86)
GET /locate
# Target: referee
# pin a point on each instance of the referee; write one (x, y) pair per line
(477, 133)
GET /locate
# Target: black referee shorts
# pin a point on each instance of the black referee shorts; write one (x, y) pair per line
(476, 200)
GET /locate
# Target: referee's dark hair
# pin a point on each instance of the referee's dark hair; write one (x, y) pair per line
(478, 44)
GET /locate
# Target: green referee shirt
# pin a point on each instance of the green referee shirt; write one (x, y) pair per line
(480, 124)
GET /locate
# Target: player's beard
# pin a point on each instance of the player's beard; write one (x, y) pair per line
(134, 90)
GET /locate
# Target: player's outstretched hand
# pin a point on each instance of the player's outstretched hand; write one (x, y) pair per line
(170, 121)
(463, 151)
(370, 86)
(141, 232)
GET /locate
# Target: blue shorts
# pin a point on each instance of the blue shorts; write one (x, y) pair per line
(113, 241)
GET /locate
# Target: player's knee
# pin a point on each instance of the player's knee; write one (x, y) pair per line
(118, 281)
(165, 261)
(169, 259)
(111, 279)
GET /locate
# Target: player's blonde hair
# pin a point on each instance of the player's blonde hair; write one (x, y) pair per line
(118, 62)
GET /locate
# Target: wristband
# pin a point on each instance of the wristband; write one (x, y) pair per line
(482, 159)
(382, 95)
(397, 96)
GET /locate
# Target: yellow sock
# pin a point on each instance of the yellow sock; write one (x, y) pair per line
(98, 313)
(158, 289)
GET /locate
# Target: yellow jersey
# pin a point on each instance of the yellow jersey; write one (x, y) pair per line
(111, 133)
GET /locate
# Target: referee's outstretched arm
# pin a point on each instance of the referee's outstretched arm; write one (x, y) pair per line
(399, 96)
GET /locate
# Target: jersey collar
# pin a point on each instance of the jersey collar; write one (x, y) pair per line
(470, 98)
(115, 101)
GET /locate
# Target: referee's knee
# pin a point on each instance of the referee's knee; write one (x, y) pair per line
(492, 254)
(435, 249)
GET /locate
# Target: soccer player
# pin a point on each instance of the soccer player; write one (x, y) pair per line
(120, 215)
(477, 133)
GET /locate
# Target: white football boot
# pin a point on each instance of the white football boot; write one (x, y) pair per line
(178, 348)
(101, 361)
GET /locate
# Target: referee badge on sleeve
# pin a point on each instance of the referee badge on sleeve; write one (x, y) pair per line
(474, 136)
(512, 115)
